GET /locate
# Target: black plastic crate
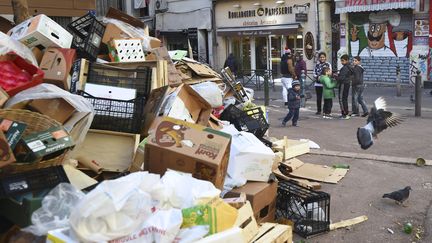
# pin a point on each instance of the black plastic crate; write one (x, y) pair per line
(252, 120)
(117, 115)
(87, 34)
(138, 77)
(308, 209)
(32, 181)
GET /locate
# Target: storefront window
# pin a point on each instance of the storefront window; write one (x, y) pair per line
(241, 50)
(276, 53)
(261, 53)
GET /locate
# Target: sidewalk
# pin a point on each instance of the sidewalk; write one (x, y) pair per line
(385, 167)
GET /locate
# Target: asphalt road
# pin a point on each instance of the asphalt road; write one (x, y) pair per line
(360, 192)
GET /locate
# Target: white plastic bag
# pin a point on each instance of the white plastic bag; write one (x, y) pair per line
(115, 208)
(55, 210)
(211, 92)
(181, 190)
(192, 234)
(50, 91)
(7, 44)
(161, 227)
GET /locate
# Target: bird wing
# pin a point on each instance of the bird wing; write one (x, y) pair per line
(392, 119)
(380, 103)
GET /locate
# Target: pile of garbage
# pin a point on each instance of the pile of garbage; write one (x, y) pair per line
(107, 136)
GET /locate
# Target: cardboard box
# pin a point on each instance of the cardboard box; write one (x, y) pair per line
(56, 64)
(41, 31)
(126, 50)
(262, 196)
(6, 156)
(58, 109)
(4, 97)
(43, 145)
(188, 147)
(113, 31)
(79, 75)
(13, 131)
(112, 151)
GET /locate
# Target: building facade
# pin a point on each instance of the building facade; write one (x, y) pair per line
(386, 34)
(257, 32)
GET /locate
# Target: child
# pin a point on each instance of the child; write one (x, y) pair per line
(357, 89)
(344, 79)
(293, 104)
(328, 91)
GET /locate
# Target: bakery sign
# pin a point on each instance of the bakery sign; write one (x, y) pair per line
(260, 12)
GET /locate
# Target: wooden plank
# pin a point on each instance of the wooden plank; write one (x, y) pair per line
(273, 233)
(348, 222)
(291, 148)
(246, 221)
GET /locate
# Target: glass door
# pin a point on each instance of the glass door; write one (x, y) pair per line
(276, 53)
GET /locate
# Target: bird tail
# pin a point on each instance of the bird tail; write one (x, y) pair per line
(386, 195)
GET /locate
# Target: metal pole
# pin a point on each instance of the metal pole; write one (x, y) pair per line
(398, 81)
(302, 81)
(266, 89)
(418, 94)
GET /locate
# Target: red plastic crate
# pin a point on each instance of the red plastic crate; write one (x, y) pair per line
(16, 75)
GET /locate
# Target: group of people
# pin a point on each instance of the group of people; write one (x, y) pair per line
(349, 76)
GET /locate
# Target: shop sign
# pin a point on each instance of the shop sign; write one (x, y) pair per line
(301, 17)
(260, 12)
(349, 6)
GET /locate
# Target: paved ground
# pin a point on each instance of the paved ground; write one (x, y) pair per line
(360, 192)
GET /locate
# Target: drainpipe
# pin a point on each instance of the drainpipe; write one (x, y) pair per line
(318, 26)
(213, 24)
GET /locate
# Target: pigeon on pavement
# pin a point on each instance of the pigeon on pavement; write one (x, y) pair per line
(378, 120)
(399, 196)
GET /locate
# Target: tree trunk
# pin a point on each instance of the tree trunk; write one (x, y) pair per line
(20, 11)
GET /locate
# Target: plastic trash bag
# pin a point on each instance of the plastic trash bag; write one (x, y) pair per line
(115, 208)
(211, 92)
(192, 234)
(7, 45)
(55, 210)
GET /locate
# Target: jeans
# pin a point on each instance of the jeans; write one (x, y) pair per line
(328, 104)
(294, 114)
(357, 98)
(343, 98)
(319, 97)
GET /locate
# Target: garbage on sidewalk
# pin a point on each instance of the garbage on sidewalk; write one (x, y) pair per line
(136, 143)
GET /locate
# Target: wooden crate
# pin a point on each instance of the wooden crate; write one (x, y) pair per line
(273, 233)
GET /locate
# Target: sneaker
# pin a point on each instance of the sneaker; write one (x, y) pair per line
(294, 125)
(354, 114)
(327, 116)
(283, 123)
(365, 114)
(318, 113)
(344, 117)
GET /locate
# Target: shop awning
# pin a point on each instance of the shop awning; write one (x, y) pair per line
(343, 6)
(283, 29)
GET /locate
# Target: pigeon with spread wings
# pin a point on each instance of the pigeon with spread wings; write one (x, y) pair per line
(378, 120)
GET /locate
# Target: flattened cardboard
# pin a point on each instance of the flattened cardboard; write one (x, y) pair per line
(262, 196)
(6, 156)
(302, 182)
(187, 147)
(291, 148)
(77, 178)
(113, 151)
(58, 109)
(56, 64)
(315, 172)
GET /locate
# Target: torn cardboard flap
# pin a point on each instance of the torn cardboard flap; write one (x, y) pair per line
(302, 182)
(315, 172)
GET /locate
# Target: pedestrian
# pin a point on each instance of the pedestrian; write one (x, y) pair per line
(358, 88)
(300, 66)
(344, 80)
(288, 73)
(231, 62)
(328, 91)
(294, 97)
(317, 73)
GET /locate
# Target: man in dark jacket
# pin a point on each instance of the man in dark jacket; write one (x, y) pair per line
(294, 97)
(344, 80)
(231, 63)
(357, 88)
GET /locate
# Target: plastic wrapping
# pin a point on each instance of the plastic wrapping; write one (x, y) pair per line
(49, 91)
(131, 31)
(210, 92)
(115, 208)
(55, 210)
(8, 45)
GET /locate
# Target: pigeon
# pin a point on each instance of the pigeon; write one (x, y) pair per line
(399, 196)
(378, 120)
